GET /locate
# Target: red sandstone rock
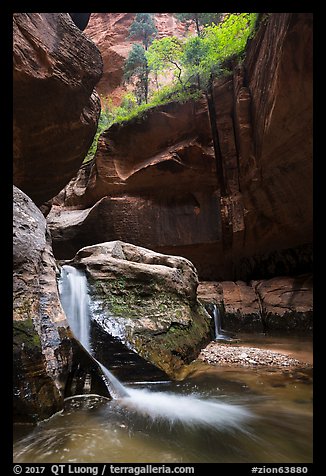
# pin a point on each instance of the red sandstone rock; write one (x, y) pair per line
(159, 174)
(278, 198)
(150, 297)
(286, 302)
(55, 107)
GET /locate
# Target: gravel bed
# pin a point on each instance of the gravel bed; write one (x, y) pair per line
(224, 354)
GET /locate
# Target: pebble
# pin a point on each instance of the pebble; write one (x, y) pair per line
(223, 354)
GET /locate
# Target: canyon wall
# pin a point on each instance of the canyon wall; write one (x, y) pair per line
(153, 180)
(55, 107)
(55, 69)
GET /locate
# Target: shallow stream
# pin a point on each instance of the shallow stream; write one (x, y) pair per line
(214, 415)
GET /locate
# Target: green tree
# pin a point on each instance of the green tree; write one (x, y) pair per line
(136, 67)
(193, 53)
(143, 29)
(136, 71)
(228, 38)
(207, 54)
(165, 54)
(199, 19)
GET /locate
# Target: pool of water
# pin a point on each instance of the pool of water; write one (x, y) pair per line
(214, 415)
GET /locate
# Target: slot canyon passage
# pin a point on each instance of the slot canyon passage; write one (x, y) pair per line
(162, 238)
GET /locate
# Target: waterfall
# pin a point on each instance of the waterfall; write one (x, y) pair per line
(75, 302)
(220, 334)
(185, 409)
(115, 387)
(217, 320)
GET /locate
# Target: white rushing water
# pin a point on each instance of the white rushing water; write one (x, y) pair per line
(185, 409)
(75, 302)
(169, 407)
(220, 334)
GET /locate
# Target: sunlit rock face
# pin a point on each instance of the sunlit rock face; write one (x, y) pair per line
(55, 107)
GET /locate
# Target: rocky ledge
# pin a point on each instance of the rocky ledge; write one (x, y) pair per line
(229, 355)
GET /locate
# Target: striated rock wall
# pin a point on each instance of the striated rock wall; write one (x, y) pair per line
(278, 204)
(45, 355)
(55, 106)
(55, 117)
(42, 351)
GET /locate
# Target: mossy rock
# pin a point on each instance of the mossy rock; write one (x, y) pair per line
(162, 327)
(148, 300)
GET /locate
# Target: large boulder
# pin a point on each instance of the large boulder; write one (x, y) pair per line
(45, 355)
(148, 300)
(55, 106)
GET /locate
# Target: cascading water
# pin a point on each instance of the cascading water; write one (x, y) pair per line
(188, 410)
(75, 302)
(220, 334)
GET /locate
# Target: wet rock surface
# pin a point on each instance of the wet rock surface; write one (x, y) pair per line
(42, 350)
(45, 355)
(282, 303)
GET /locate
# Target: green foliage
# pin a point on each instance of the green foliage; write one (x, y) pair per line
(195, 60)
(128, 102)
(199, 58)
(198, 19)
(229, 37)
(163, 96)
(105, 120)
(166, 54)
(207, 55)
(175, 92)
(193, 53)
(136, 69)
(136, 62)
